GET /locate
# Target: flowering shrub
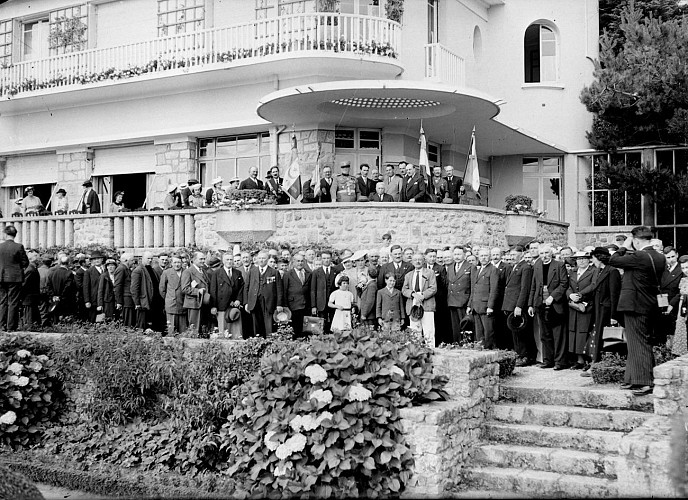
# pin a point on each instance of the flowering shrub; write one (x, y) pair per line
(30, 392)
(325, 420)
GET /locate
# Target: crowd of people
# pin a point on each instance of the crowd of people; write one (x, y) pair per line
(555, 300)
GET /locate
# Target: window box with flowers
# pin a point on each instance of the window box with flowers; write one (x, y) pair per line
(521, 217)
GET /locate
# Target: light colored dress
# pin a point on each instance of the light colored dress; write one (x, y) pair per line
(61, 204)
(342, 318)
(197, 200)
(31, 204)
(680, 344)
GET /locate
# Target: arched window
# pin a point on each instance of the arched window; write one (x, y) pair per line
(540, 52)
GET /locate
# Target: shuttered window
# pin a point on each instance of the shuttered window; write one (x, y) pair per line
(30, 169)
(124, 160)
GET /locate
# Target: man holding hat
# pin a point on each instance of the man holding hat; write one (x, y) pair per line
(346, 184)
(90, 204)
(90, 285)
(273, 185)
(226, 292)
(263, 294)
(253, 182)
(515, 305)
(170, 289)
(195, 286)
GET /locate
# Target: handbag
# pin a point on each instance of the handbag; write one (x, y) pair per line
(613, 335)
(313, 325)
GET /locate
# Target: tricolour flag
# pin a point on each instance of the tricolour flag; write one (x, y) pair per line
(315, 179)
(471, 177)
(292, 177)
(423, 156)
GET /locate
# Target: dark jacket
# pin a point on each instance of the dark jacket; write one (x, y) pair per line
(31, 287)
(224, 290)
(364, 187)
(517, 287)
(399, 274)
(485, 289)
(640, 283)
(298, 295)
(413, 188)
(670, 283)
(269, 286)
(251, 184)
(13, 261)
(385, 197)
(321, 287)
(61, 284)
(142, 292)
(275, 189)
(454, 188)
(557, 282)
(460, 285)
(91, 203)
(106, 290)
(389, 305)
(123, 286)
(90, 286)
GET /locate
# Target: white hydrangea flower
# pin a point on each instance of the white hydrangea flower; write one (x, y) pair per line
(16, 395)
(35, 366)
(22, 381)
(280, 471)
(309, 422)
(294, 444)
(323, 396)
(397, 370)
(324, 416)
(358, 393)
(271, 445)
(15, 368)
(296, 423)
(43, 358)
(8, 418)
(316, 373)
(23, 353)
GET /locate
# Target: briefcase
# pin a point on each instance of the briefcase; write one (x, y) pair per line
(613, 335)
(313, 325)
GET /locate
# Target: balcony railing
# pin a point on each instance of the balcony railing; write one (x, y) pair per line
(443, 66)
(317, 32)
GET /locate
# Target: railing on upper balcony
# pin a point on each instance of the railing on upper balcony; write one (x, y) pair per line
(317, 32)
(443, 66)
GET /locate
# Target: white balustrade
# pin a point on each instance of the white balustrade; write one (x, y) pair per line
(444, 66)
(261, 38)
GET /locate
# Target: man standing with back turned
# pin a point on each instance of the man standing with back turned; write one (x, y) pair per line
(13, 261)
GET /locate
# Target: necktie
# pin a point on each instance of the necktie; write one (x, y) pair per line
(262, 271)
(301, 276)
(327, 272)
(417, 285)
(456, 268)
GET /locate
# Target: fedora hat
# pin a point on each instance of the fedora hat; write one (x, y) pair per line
(580, 254)
(60, 191)
(232, 314)
(97, 254)
(516, 323)
(87, 184)
(282, 316)
(466, 324)
(416, 313)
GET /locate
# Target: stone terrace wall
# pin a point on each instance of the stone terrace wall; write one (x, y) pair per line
(553, 232)
(93, 230)
(599, 235)
(671, 387)
(443, 434)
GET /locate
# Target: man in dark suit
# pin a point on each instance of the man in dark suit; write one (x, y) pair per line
(170, 289)
(643, 268)
(61, 289)
(246, 320)
(253, 182)
(379, 194)
(226, 291)
(670, 281)
(547, 298)
(397, 266)
(90, 285)
(516, 292)
(273, 185)
(414, 187)
(442, 322)
(503, 336)
(90, 202)
(483, 301)
(84, 262)
(322, 285)
(263, 295)
(454, 185)
(123, 301)
(13, 261)
(195, 285)
(31, 292)
(328, 186)
(365, 187)
(438, 188)
(297, 289)
(460, 276)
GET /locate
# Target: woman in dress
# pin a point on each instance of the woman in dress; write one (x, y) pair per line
(118, 202)
(341, 301)
(173, 198)
(31, 205)
(215, 194)
(580, 295)
(196, 199)
(61, 204)
(680, 343)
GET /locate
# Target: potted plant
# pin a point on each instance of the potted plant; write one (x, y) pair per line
(521, 218)
(67, 34)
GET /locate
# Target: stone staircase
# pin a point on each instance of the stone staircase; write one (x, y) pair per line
(553, 442)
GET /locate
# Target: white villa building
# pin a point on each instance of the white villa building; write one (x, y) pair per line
(138, 94)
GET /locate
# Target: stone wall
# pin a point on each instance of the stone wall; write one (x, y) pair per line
(599, 236)
(308, 142)
(671, 387)
(553, 232)
(443, 434)
(73, 168)
(93, 231)
(206, 233)
(175, 163)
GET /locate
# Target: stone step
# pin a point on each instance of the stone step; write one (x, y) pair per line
(586, 397)
(553, 437)
(558, 460)
(539, 483)
(569, 416)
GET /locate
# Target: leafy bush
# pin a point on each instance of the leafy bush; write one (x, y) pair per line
(30, 390)
(609, 370)
(518, 199)
(260, 196)
(325, 421)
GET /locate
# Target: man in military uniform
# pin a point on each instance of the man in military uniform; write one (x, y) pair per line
(346, 184)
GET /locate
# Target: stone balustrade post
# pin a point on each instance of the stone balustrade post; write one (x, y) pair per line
(147, 231)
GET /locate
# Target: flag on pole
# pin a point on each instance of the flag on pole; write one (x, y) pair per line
(315, 179)
(423, 156)
(292, 177)
(471, 176)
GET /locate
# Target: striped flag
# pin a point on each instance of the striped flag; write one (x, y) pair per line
(292, 177)
(315, 179)
(471, 177)
(423, 156)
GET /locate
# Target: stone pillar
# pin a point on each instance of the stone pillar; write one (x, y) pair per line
(307, 144)
(175, 163)
(74, 166)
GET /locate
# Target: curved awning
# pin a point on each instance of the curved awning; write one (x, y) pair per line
(448, 113)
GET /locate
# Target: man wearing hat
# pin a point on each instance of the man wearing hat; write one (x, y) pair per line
(90, 203)
(106, 291)
(90, 285)
(60, 205)
(580, 294)
(346, 184)
(273, 185)
(365, 187)
(215, 194)
(253, 182)
(31, 293)
(170, 289)
(226, 292)
(31, 204)
(515, 305)
(263, 294)
(145, 292)
(173, 198)
(195, 286)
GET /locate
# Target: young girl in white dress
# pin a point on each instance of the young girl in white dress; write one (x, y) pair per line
(341, 300)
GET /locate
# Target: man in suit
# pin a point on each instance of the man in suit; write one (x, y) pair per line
(365, 187)
(670, 285)
(420, 288)
(194, 286)
(61, 289)
(392, 183)
(328, 186)
(44, 304)
(414, 187)
(438, 188)
(643, 268)
(145, 293)
(322, 285)
(442, 322)
(297, 289)
(263, 295)
(273, 185)
(454, 185)
(547, 298)
(516, 292)
(483, 301)
(397, 266)
(379, 195)
(13, 261)
(503, 337)
(123, 301)
(170, 289)
(246, 319)
(90, 202)
(226, 291)
(90, 285)
(30, 293)
(253, 182)
(460, 275)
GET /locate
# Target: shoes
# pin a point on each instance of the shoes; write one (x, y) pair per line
(626, 386)
(578, 366)
(560, 367)
(586, 374)
(586, 367)
(524, 362)
(547, 365)
(642, 391)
